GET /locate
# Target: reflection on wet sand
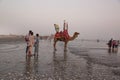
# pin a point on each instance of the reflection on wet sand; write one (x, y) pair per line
(113, 50)
(60, 67)
(28, 67)
(89, 67)
(78, 63)
(36, 64)
(31, 66)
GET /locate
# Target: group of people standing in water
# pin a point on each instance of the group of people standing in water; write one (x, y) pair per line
(113, 44)
(32, 42)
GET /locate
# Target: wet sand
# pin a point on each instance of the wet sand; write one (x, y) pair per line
(75, 64)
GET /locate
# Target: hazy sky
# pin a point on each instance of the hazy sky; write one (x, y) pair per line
(92, 18)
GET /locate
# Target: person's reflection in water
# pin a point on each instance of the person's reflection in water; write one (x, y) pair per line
(28, 66)
(31, 66)
(59, 66)
(109, 50)
(112, 51)
(115, 50)
(35, 64)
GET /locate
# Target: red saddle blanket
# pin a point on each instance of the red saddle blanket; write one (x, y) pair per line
(63, 34)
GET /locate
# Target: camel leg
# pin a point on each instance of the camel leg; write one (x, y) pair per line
(55, 45)
(65, 46)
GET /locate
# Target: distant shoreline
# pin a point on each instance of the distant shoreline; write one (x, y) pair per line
(7, 38)
(11, 36)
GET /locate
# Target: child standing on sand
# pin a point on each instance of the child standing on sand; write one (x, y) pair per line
(36, 45)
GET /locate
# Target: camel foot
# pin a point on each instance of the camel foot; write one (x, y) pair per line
(55, 49)
(65, 50)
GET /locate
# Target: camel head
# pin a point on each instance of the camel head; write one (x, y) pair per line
(75, 35)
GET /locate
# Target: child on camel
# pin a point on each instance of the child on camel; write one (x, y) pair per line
(57, 30)
(65, 30)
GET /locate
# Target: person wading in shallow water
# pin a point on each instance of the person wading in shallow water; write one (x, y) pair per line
(27, 40)
(30, 44)
(36, 45)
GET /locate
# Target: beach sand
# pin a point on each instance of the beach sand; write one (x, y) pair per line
(75, 64)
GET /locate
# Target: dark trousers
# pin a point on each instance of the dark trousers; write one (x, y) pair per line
(27, 49)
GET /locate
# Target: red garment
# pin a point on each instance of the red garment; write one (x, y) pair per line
(65, 34)
(57, 35)
(62, 34)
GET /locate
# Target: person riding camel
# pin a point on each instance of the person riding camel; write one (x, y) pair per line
(57, 30)
(63, 33)
(65, 30)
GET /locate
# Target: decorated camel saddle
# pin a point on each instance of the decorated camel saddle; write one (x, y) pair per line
(61, 34)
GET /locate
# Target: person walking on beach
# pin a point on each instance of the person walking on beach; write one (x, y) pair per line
(27, 40)
(30, 44)
(36, 45)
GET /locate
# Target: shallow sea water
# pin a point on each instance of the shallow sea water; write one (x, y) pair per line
(84, 60)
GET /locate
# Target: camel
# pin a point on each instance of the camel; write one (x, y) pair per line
(62, 38)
